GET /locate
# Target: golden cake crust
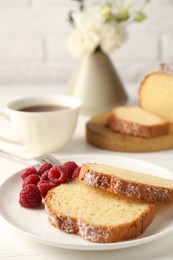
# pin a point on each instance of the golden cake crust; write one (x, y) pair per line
(133, 189)
(118, 124)
(96, 232)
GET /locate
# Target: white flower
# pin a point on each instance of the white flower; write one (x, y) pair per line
(112, 36)
(82, 42)
(92, 32)
(103, 25)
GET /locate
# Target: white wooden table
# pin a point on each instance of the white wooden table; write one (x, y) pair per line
(14, 245)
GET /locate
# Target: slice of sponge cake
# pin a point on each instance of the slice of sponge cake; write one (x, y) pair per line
(136, 121)
(128, 183)
(96, 215)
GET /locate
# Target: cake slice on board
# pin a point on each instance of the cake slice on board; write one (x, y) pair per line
(99, 135)
(136, 121)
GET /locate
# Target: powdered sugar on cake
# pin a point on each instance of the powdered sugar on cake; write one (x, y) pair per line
(139, 191)
(93, 233)
(97, 180)
(130, 189)
(70, 226)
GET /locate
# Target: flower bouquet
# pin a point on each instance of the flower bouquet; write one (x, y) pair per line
(100, 28)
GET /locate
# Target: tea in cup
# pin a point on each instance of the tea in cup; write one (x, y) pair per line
(43, 123)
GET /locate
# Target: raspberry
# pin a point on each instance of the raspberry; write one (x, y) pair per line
(44, 176)
(30, 196)
(64, 175)
(58, 173)
(44, 187)
(54, 173)
(31, 179)
(75, 174)
(56, 182)
(46, 166)
(70, 167)
(28, 171)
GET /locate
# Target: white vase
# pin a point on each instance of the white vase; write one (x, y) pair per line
(96, 82)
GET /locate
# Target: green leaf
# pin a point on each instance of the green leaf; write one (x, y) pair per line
(123, 15)
(140, 17)
(106, 12)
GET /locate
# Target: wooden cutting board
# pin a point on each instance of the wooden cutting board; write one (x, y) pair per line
(103, 137)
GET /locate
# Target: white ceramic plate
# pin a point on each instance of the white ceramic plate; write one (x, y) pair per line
(35, 224)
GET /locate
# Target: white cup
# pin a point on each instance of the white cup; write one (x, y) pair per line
(43, 132)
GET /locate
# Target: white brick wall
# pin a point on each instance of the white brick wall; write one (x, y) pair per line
(33, 35)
